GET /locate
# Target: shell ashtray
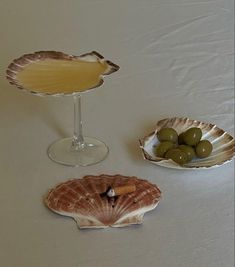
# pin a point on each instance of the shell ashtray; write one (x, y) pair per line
(223, 144)
(86, 201)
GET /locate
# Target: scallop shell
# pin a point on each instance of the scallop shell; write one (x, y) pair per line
(223, 144)
(38, 59)
(82, 199)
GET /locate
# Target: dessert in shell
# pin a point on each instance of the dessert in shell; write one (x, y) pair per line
(56, 73)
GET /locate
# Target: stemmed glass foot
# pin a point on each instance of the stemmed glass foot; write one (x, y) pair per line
(78, 150)
(64, 152)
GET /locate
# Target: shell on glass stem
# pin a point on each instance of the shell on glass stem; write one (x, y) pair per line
(56, 73)
(85, 201)
(223, 144)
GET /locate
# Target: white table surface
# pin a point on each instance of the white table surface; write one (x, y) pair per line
(176, 59)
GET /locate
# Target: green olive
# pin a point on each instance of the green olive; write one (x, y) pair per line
(162, 148)
(188, 150)
(192, 136)
(181, 138)
(177, 155)
(204, 149)
(167, 134)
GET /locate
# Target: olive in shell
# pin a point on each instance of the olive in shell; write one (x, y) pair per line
(204, 149)
(177, 156)
(162, 148)
(192, 136)
(167, 134)
(188, 150)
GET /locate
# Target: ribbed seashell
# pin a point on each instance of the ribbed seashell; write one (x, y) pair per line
(85, 201)
(47, 75)
(223, 144)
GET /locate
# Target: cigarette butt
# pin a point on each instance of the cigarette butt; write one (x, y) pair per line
(121, 190)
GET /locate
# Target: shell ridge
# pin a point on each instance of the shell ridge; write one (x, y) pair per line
(109, 205)
(102, 207)
(140, 192)
(83, 202)
(224, 148)
(99, 205)
(140, 213)
(136, 201)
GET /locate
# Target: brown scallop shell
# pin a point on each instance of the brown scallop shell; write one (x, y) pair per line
(223, 144)
(20, 63)
(85, 201)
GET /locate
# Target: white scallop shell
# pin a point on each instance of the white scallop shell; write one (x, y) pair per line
(223, 144)
(85, 200)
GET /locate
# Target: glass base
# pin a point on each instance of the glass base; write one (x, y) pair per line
(64, 152)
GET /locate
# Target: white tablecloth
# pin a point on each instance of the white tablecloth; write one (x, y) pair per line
(176, 59)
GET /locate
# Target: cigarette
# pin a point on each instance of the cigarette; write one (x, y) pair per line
(121, 190)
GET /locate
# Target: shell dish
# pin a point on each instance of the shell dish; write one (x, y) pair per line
(64, 70)
(223, 144)
(83, 200)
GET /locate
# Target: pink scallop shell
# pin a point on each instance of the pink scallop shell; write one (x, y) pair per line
(82, 200)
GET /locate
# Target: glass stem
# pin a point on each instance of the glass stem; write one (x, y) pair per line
(78, 139)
